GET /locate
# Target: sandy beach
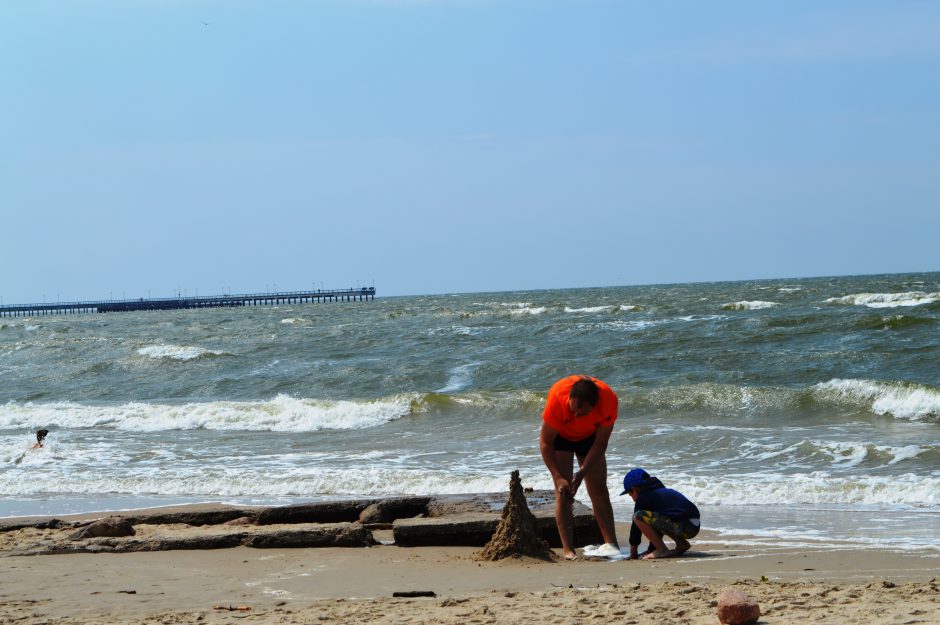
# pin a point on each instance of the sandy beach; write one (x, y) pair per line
(355, 585)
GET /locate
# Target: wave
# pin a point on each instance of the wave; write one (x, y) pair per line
(460, 377)
(589, 309)
(528, 310)
(306, 479)
(281, 414)
(853, 399)
(178, 352)
(818, 487)
(212, 482)
(895, 322)
(753, 305)
(886, 300)
(904, 400)
(834, 453)
(915, 402)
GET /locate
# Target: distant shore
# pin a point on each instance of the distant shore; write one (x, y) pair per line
(793, 585)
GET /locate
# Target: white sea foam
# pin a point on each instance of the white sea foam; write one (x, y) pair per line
(528, 310)
(887, 300)
(305, 477)
(281, 414)
(213, 482)
(460, 377)
(818, 487)
(752, 305)
(843, 453)
(790, 289)
(906, 401)
(629, 308)
(701, 317)
(589, 309)
(293, 321)
(466, 330)
(177, 352)
(639, 324)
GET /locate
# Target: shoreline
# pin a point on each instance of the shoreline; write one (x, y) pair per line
(334, 584)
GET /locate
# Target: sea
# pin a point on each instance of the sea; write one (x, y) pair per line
(798, 412)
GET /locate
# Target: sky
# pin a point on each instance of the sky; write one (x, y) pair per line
(445, 146)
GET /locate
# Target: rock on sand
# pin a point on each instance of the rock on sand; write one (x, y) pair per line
(736, 608)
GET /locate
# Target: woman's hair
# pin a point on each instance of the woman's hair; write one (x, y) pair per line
(40, 435)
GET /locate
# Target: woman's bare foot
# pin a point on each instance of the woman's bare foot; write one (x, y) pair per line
(656, 555)
(682, 545)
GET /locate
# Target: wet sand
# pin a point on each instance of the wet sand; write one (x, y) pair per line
(793, 585)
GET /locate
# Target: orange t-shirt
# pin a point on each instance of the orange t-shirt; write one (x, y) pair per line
(559, 416)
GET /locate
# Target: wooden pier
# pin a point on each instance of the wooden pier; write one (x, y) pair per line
(175, 303)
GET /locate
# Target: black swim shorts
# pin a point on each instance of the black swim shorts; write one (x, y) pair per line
(580, 448)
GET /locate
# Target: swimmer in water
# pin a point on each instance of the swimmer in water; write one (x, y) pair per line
(40, 437)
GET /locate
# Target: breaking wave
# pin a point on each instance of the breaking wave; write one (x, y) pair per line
(754, 305)
(915, 402)
(281, 414)
(178, 352)
(817, 487)
(904, 400)
(887, 300)
(589, 309)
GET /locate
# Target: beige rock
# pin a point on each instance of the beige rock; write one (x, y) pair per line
(112, 526)
(736, 608)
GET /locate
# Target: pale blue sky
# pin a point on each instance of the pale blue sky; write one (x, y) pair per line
(462, 145)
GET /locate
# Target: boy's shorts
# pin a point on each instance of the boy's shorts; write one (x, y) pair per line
(673, 528)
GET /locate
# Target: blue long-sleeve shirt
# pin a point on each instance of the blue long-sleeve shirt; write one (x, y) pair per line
(657, 498)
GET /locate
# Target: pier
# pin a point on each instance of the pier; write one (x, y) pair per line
(174, 303)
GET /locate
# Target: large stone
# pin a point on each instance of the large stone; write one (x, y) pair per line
(474, 529)
(737, 608)
(337, 535)
(313, 535)
(326, 512)
(387, 510)
(192, 517)
(112, 526)
(13, 525)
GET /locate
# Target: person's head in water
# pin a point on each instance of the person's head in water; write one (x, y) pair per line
(583, 397)
(41, 436)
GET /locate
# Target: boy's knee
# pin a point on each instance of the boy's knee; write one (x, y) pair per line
(646, 516)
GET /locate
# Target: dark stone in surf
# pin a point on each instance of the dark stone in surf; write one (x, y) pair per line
(517, 534)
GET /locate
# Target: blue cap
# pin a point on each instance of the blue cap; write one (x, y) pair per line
(634, 478)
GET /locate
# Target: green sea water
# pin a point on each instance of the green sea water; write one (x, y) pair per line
(797, 395)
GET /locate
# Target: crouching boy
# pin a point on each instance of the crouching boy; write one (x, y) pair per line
(659, 511)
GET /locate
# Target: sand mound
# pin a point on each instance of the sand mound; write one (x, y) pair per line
(516, 536)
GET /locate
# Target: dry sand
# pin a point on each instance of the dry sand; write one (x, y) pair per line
(355, 585)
